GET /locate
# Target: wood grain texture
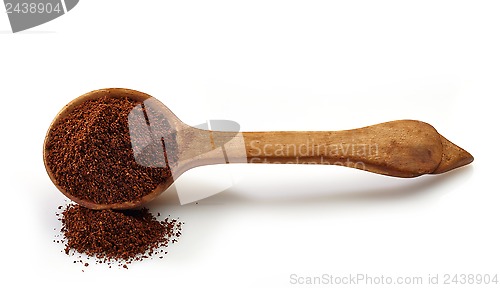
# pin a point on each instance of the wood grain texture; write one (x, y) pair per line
(404, 148)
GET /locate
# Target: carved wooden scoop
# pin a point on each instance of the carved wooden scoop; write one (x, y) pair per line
(403, 148)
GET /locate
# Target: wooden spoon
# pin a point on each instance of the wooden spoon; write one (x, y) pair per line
(403, 148)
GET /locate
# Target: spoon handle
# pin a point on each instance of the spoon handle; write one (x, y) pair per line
(403, 148)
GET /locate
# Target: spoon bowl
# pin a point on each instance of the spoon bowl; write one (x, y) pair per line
(94, 95)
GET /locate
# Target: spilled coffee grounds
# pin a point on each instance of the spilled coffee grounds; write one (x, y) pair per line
(126, 235)
(91, 157)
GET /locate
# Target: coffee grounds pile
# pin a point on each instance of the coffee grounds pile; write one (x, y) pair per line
(109, 235)
(90, 155)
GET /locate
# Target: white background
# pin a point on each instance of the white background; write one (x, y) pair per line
(269, 65)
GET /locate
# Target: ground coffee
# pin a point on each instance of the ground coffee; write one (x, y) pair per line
(90, 154)
(109, 235)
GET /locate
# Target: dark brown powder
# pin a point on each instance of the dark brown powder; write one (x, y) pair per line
(90, 155)
(116, 235)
